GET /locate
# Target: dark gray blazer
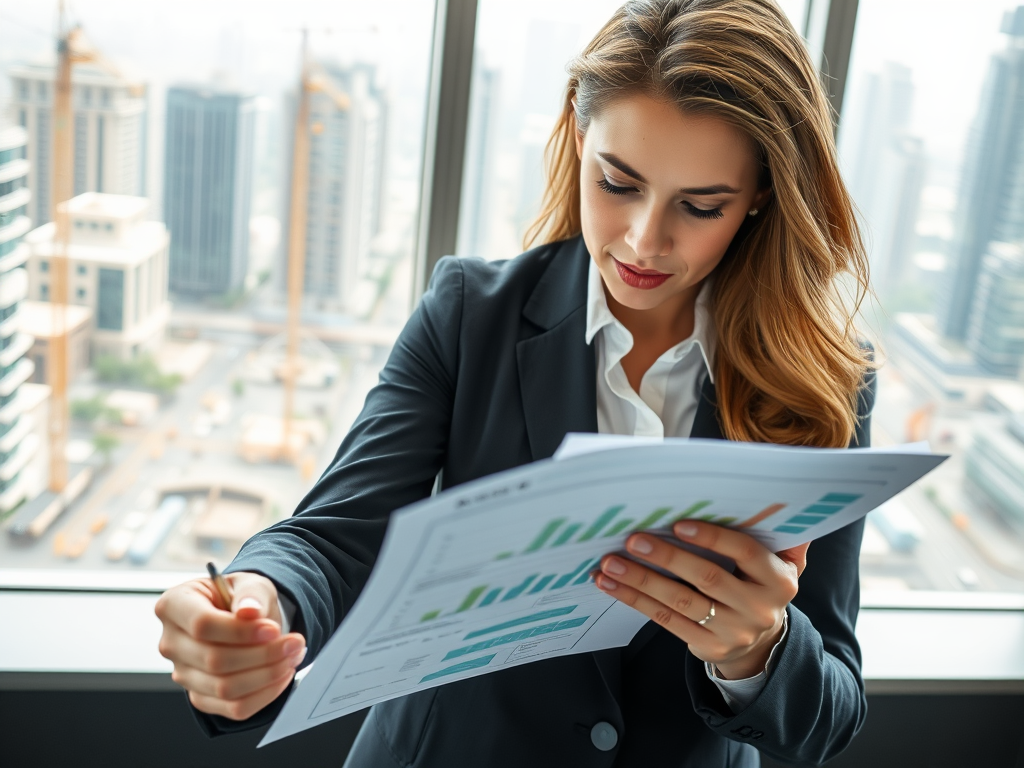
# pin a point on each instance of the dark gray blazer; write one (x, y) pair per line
(490, 372)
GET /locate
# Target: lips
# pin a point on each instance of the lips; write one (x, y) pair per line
(644, 279)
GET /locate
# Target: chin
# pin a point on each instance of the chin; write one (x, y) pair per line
(635, 298)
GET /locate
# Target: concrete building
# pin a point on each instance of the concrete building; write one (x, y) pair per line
(36, 319)
(23, 407)
(117, 268)
(994, 467)
(991, 198)
(109, 132)
(208, 167)
(346, 188)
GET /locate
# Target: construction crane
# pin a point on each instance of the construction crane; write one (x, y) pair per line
(72, 49)
(313, 80)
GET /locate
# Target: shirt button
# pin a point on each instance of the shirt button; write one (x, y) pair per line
(604, 736)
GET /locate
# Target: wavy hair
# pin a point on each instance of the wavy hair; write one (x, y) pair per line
(788, 365)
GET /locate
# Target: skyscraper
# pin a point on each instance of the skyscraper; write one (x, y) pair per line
(109, 132)
(208, 165)
(346, 186)
(991, 198)
(996, 331)
(477, 178)
(885, 171)
(21, 444)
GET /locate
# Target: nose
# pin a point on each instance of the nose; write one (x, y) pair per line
(648, 233)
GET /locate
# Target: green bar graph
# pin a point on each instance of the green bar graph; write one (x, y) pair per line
(483, 661)
(542, 583)
(600, 523)
(706, 518)
(430, 615)
(545, 534)
(584, 577)
(474, 593)
(549, 614)
(562, 581)
(491, 597)
(504, 555)
(619, 527)
(515, 592)
(693, 509)
(567, 534)
(652, 519)
(725, 520)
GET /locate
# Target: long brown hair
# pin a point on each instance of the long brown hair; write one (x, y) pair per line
(788, 364)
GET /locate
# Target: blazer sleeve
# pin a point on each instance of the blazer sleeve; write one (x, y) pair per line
(813, 702)
(321, 557)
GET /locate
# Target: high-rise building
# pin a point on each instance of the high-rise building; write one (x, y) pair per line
(109, 131)
(478, 174)
(991, 197)
(208, 167)
(117, 267)
(884, 170)
(996, 331)
(23, 406)
(346, 187)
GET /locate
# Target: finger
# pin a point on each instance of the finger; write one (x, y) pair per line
(226, 659)
(235, 686)
(705, 576)
(751, 556)
(252, 598)
(191, 607)
(685, 629)
(678, 597)
(797, 556)
(241, 709)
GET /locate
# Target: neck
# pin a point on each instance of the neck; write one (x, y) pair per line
(667, 324)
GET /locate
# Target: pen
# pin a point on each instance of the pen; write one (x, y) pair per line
(221, 584)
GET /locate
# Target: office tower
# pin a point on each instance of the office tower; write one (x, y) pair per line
(117, 267)
(989, 205)
(22, 406)
(478, 174)
(885, 172)
(208, 166)
(109, 131)
(346, 188)
(996, 331)
(550, 46)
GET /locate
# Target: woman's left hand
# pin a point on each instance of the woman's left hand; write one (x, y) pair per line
(749, 605)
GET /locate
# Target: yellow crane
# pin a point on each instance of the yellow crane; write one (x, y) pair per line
(72, 49)
(313, 80)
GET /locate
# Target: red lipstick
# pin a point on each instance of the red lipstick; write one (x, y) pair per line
(645, 279)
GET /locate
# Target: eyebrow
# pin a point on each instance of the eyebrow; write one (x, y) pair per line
(618, 162)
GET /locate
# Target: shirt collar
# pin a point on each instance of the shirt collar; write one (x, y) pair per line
(599, 316)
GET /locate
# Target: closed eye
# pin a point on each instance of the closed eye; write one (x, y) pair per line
(703, 213)
(614, 189)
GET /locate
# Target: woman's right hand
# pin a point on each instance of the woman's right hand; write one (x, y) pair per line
(232, 660)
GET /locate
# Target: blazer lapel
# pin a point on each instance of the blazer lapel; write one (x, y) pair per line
(705, 422)
(557, 368)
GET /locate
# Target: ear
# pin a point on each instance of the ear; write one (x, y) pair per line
(576, 133)
(761, 198)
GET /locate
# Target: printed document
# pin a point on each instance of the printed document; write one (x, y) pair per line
(497, 572)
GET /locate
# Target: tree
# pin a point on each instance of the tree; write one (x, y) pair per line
(105, 443)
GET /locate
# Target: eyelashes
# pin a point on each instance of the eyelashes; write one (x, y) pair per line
(699, 213)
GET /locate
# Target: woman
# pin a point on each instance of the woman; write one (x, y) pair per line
(695, 227)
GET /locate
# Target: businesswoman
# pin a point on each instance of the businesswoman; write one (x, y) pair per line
(695, 237)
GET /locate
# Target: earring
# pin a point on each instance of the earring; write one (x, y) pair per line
(752, 212)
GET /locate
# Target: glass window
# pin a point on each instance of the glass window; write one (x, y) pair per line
(932, 146)
(207, 398)
(519, 76)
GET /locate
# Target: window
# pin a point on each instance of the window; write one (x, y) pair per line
(110, 300)
(931, 148)
(221, 188)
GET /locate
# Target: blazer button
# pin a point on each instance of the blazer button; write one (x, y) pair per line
(604, 736)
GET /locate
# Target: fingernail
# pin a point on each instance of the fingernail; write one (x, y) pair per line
(686, 529)
(641, 545)
(292, 646)
(615, 566)
(248, 602)
(299, 657)
(265, 634)
(605, 583)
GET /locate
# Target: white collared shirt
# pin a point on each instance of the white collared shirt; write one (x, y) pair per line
(665, 407)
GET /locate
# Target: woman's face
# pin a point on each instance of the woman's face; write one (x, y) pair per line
(662, 195)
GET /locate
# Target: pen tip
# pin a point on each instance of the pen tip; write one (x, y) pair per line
(212, 570)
